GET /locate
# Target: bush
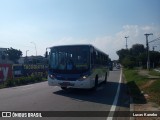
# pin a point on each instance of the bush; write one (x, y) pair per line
(17, 81)
(21, 81)
(10, 82)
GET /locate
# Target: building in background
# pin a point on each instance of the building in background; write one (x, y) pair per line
(33, 60)
(23, 60)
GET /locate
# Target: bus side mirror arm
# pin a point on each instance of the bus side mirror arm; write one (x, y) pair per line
(46, 54)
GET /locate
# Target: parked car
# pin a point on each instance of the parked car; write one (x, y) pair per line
(118, 66)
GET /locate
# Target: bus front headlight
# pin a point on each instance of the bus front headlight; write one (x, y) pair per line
(84, 77)
(52, 76)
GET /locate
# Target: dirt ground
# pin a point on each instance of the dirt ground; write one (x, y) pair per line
(149, 106)
(146, 73)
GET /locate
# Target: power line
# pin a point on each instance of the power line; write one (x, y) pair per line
(154, 40)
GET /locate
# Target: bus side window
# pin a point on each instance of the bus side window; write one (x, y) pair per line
(70, 65)
(62, 64)
(94, 57)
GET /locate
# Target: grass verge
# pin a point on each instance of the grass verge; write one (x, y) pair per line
(154, 73)
(138, 83)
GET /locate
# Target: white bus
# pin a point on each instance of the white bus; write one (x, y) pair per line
(77, 66)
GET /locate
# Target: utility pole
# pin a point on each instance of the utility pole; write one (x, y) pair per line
(36, 52)
(126, 42)
(35, 47)
(147, 45)
(26, 59)
(154, 47)
(26, 52)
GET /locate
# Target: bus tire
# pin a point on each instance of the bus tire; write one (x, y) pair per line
(105, 80)
(96, 82)
(64, 88)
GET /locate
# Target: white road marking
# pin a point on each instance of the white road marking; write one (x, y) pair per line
(111, 113)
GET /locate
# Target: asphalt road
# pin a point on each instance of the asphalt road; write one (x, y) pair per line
(41, 97)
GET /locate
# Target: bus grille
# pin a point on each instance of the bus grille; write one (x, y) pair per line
(67, 79)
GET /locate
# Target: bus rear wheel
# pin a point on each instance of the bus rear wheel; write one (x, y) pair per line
(96, 82)
(105, 80)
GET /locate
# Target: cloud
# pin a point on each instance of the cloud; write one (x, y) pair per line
(20, 39)
(146, 28)
(111, 44)
(70, 40)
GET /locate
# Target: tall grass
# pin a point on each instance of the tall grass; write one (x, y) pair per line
(132, 75)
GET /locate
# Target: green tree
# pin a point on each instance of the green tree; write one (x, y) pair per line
(137, 56)
(122, 54)
(128, 62)
(13, 54)
(154, 58)
(142, 58)
(137, 49)
(133, 56)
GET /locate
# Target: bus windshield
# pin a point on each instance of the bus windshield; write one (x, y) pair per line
(69, 59)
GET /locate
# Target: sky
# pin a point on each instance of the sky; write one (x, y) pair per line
(25, 24)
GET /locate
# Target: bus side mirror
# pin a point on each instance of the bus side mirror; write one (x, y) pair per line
(46, 54)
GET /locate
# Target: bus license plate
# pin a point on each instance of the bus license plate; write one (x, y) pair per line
(66, 84)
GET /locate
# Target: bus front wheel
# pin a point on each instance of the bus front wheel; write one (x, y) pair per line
(64, 88)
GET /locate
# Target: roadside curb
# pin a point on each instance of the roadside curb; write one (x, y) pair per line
(131, 107)
(131, 99)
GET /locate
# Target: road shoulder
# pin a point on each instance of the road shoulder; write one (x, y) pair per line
(146, 106)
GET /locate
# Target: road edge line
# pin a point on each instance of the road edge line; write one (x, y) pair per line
(113, 107)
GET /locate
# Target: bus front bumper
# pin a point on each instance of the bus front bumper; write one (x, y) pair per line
(70, 84)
